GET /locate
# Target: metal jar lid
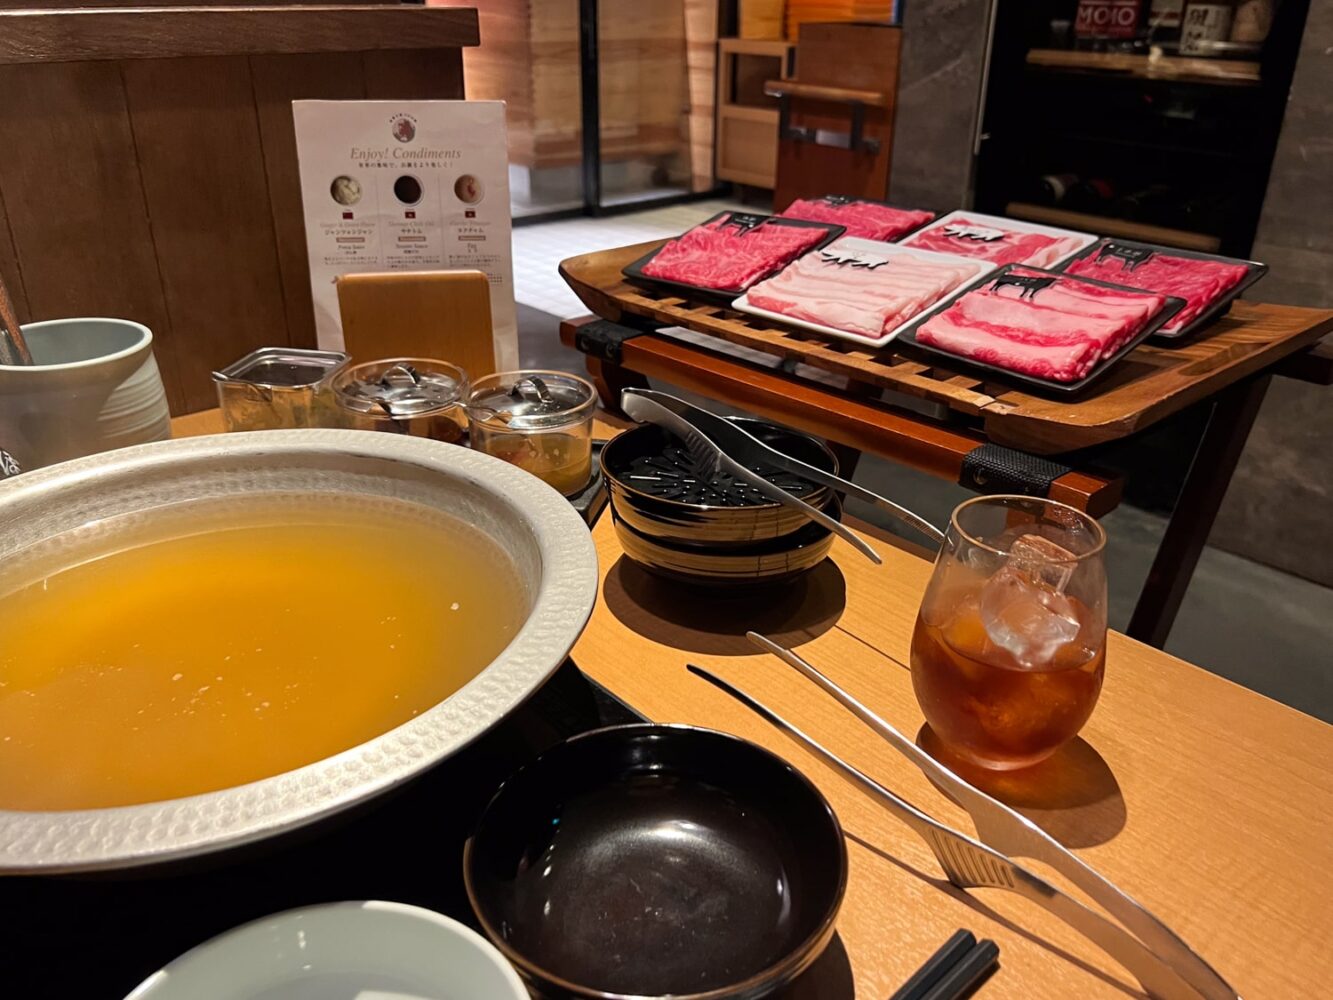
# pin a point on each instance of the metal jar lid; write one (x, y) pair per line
(531, 400)
(401, 387)
(283, 367)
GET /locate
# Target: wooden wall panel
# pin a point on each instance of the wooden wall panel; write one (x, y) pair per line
(500, 69)
(207, 193)
(701, 66)
(279, 80)
(170, 32)
(75, 201)
(9, 266)
(416, 75)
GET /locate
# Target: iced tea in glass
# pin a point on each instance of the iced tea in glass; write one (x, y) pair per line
(1010, 642)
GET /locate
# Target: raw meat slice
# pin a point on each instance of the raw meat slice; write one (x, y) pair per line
(1065, 361)
(866, 219)
(729, 257)
(857, 291)
(982, 238)
(1199, 282)
(1041, 324)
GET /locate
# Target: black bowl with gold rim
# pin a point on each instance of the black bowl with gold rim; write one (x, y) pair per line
(652, 862)
(772, 560)
(661, 493)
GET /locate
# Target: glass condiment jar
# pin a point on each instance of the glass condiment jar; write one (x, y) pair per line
(279, 387)
(420, 397)
(540, 421)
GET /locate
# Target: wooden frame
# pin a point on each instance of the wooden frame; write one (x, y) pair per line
(747, 134)
(50, 36)
(150, 162)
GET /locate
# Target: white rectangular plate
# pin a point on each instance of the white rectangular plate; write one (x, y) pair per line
(983, 267)
(1013, 225)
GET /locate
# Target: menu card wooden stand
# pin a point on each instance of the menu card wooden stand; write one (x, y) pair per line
(149, 167)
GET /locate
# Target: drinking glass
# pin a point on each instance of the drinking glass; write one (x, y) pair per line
(1010, 642)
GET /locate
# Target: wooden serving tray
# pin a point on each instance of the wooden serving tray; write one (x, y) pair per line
(1152, 382)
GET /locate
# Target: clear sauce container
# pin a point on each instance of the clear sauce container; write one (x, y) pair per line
(420, 397)
(279, 387)
(540, 421)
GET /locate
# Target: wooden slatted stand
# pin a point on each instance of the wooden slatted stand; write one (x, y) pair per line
(1227, 365)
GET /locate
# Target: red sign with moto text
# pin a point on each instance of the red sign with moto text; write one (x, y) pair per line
(1107, 18)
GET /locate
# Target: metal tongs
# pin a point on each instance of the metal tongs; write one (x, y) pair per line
(719, 445)
(1163, 963)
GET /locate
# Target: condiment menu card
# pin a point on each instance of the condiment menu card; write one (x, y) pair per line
(406, 186)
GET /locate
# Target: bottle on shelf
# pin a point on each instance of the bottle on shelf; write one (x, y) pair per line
(1148, 204)
(1092, 194)
(1206, 23)
(1252, 21)
(1164, 22)
(1052, 189)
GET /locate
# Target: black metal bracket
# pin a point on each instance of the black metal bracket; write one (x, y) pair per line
(602, 339)
(853, 140)
(993, 468)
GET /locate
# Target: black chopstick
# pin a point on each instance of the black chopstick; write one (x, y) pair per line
(958, 981)
(945, 958)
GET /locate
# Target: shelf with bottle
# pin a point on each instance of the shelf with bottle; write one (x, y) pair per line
(1194, 41)
(1151, 65)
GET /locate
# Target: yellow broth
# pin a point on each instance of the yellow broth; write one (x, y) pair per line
(216, 643)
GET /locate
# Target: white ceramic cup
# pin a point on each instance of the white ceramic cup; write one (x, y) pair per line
(95, 386)
(367, 950)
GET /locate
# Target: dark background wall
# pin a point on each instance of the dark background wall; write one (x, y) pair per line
(1277, 510)
(1280, 502)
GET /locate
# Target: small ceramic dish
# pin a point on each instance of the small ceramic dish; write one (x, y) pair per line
(652, 861)
(354, 949)
(657, 489)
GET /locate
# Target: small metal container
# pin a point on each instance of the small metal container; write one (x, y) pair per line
(540, 421)
(419, 397)
(279, 387)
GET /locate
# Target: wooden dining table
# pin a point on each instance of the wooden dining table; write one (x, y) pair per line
(1207, 802)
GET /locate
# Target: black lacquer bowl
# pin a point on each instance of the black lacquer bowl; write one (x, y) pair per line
(655, 861)
(659, 490)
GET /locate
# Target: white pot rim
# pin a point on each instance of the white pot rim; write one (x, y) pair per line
(149, 833)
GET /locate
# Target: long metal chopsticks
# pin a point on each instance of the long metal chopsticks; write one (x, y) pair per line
(1012, 833)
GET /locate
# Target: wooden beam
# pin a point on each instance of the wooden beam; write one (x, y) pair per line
(78, 35)
(866, 425)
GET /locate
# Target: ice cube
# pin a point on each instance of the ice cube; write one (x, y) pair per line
(1025, 617)
(1045, 561)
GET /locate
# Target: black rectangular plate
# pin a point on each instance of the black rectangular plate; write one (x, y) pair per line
(1048, 386)
(722, 296)
(886, 204)
(1220, 307)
